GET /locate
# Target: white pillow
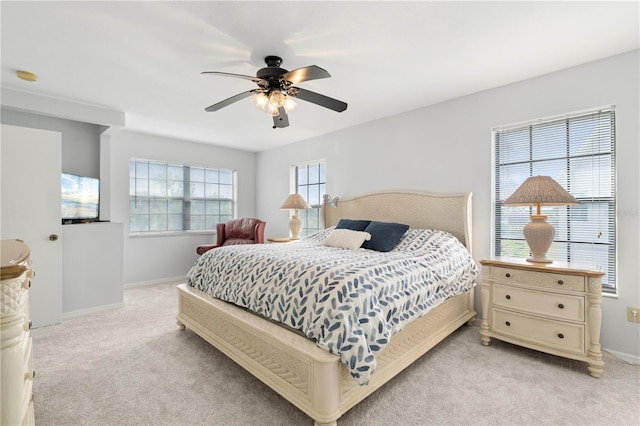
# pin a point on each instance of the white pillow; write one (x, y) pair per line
(346, 238)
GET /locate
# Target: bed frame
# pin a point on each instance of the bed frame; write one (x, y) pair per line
(309, 377)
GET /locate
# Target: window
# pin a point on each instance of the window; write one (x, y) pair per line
(310, 182)
(170, 197)
(579, 153)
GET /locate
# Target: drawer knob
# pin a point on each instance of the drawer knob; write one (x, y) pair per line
(560, 306)
(508, 324)
(508, 297)
(561, 336)
(560, 282)
(508, 275)
(30, 375)
(27, 327)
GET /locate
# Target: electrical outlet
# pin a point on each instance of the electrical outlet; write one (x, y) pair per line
(633, 314)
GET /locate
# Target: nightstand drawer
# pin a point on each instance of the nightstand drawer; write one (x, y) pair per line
(566, 337)
(538, 279)
(556, 305)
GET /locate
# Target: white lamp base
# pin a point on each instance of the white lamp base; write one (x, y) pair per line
(539, 235)
(295, 224)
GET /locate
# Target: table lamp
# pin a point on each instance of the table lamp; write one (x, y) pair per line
(295, 202)
(538, 191)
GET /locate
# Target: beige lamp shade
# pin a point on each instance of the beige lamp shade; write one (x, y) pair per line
(538, 191)
(295, 202)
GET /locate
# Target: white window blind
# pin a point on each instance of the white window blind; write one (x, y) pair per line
(311, 184)
(173, 197)
(579, 153)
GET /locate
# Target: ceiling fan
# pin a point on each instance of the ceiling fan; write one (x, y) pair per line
(276, 90)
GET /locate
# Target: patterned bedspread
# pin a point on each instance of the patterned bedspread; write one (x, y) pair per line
(349, 301)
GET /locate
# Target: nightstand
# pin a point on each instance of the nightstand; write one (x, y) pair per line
(550, 307)
(279, 240)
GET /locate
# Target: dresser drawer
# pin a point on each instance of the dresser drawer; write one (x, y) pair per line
(565, 337)
(555, 305)
(538, 279)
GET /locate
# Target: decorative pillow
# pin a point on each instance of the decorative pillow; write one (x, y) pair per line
(346, 238)
(384, 235)
(353, 224)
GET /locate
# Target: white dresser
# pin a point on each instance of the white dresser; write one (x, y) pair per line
(17, 371)
(550, 307)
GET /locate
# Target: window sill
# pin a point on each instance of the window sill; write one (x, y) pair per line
(170, 234)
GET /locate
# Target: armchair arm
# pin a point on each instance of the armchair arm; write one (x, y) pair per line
(220, 234)
(203, 249)
(260, 232)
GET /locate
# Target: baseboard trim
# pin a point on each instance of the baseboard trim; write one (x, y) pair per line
(631, 359)
(174, 280)
(80, 312)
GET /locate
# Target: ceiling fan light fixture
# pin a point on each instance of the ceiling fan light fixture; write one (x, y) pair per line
(277, 98)
(289, 104)
(260, 100)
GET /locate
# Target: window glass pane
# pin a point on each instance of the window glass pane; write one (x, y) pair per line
(547, 145)
(211, 221)
(197, 207)
(197, 190)
(211, 175)
(157, 188)
(175, 172)
(157, 222)
(213, 207)
(142, 169)
(226, 209)
(303, 174)
(197, 174)
(314, 174)
(139, 206)
(158, 171)
(175, 206)
(139, 223)
(226, 191)
(174, 222)
(226, 177)
(142, 187)
(158, 206)
(211, 190)
(175, 189)
(198, 223)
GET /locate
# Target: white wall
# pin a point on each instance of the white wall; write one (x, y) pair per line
(447, 148)
(157, 258)
(80, 141)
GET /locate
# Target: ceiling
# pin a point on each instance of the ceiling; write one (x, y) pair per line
(385, 58)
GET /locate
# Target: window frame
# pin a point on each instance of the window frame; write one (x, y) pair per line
(186, 199)
(310, 216)
(570, 216)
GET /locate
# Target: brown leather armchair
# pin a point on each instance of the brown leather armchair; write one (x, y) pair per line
(237, 231)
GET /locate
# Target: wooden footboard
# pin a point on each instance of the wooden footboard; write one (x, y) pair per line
(309, 377)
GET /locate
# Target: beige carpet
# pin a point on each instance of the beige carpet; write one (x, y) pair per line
(133, 366)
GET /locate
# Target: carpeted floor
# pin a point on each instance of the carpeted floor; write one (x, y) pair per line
(133, 366)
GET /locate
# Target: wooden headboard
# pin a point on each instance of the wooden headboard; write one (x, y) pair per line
(447, 212)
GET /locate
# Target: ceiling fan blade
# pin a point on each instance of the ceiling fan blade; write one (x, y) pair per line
(281, 120)
(312, 72)
(228, 74)
(317, 98)
(231, 100)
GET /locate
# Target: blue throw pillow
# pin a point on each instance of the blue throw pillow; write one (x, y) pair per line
(353, 224)
(384, 235)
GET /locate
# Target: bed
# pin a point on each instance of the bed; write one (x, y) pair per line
(315, 380)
